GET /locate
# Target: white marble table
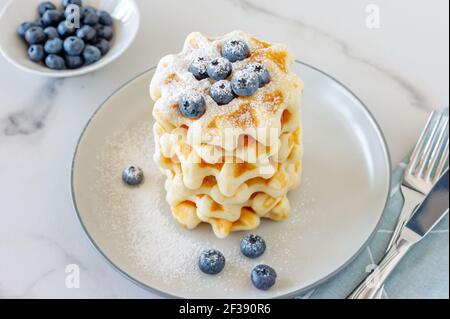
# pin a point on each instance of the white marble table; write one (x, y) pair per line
(399, 70)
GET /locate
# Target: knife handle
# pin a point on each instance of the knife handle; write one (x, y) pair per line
(370, 286)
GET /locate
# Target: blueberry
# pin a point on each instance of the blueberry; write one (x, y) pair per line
(53, 46)
(39, 23)
(263, 277)
(90, 19)
(199, 68)
(44, 6)
(253, 246)
(235, 50)
(92, 54)
(245, 83)
(98, 26)
(66, 30)
(192, 104)
(52, 17)
(76, 2)
(36, 53)
(105, 32)
(51, 32)
(73, 46)
(23, 28)
(74, 62)
(105, 18)
(86, 33)
(35, 35)
(211, 262)
(219, 69)
(221, 92)
(102, 45)
(88, 10)
(132, 175)
(261, 71)
(55, 62)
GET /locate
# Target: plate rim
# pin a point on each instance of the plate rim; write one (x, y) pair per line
(146, 287)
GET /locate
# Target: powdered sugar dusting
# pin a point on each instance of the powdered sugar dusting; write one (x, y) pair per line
(138, 222)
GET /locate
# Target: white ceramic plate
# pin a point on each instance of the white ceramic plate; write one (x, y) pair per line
(126, 25)
(345, 188)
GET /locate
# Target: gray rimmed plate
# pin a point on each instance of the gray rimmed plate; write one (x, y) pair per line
(346, 180)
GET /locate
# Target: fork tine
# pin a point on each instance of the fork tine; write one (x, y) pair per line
(424, 136)
(425, 155)
(443, 164)
(438, 150)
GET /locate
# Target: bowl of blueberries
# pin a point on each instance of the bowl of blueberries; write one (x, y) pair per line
(65, 38)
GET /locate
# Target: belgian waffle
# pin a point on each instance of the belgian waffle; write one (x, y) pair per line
(230, 185)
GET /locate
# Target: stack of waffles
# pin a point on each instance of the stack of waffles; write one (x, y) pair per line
(237, 162)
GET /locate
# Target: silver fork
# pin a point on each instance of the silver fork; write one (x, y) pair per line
(428, 162)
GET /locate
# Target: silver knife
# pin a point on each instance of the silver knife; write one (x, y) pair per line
(428, 214)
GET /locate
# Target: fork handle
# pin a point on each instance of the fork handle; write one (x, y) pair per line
(370, 287)
(411, 199)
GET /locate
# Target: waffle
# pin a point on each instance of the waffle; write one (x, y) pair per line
(273, 107)
(237, 162)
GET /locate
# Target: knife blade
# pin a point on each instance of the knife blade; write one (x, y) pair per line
(428, 214)
(434, 207)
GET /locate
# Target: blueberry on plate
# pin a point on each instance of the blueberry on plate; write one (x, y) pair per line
(23, 28)
(91, 54)
(235, 50)
(192, 104)
(53, 46)
(102, 45)
(51, 32)
(36, 53)
(263, 277)
(245, 83)
(35, 35)
(132, 175)
(261, 71)
(253, 246)
(55, 62)
(44, 6)
(66, 30)
(86, 33)
(219, 69)
(105, 18)
(211, 262)
(199, 68)
(74, 62)
(73, 46)
(221, 92)
(52, 17)
(105, 32)
(76, 2)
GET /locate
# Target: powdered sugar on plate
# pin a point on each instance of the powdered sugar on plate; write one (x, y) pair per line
(139, 223)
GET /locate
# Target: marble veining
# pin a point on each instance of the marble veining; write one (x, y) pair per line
(32, 117)
(416, 98)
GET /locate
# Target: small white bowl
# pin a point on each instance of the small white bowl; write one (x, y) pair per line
(126, 25)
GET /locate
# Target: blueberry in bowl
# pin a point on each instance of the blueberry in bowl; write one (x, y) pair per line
(108, 33)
